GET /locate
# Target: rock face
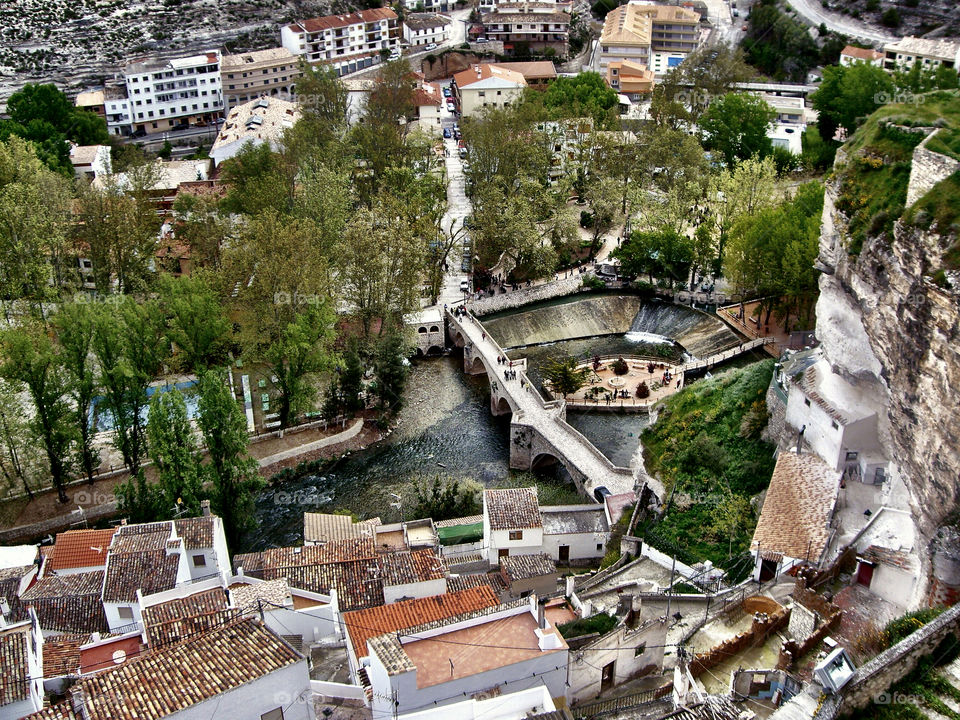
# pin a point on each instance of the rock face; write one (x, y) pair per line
(883, 323)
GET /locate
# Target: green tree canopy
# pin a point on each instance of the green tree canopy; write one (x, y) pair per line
(584, 95)
(849, 93)
(564, 376)
(735, 125)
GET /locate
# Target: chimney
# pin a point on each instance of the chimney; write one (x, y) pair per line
(205, 508)
(541, 615)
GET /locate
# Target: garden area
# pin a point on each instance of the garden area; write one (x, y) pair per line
(707, 451)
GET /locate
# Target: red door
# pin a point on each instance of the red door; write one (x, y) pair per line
(864, 573)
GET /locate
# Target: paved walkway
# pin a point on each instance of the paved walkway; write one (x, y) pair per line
(530, 408)
(708, 363)
(348, 434)
(458, 207)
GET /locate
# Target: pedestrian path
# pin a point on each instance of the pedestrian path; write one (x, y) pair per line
(572, 449)
(713, 360)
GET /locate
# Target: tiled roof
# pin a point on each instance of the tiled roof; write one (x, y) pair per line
(861, 53)
(79, 549)
(365, 624)
(197, 533)
(141, 528)
(139, 542)
(462, 582)
(573, 519)
(180, 676)
(14, 672)
(422, 21)
(357, 587)
(150, 572)
(10, 590)
(388, 649)
(69, 603)
(329, 22)
(798, 506)
(178, 629)
(512, 509)
(200, 603)
(325, 527)
(886, 556)
(61, 654)
(332, 552)
(267, 595)
(469, 520)
(532, 70)
(411, 566)
(60, 711)
(521, 567)
(484, 71)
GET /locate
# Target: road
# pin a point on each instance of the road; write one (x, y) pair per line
(812, 11)
(458, 207)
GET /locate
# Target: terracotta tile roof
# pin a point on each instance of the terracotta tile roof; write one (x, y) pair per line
(197, 533)
(60, 711)
(332, 552)
(484, 71)
(861, 53)
(151, 572)
(798, 506)
(325, 527)
(10, 579)
(180, 629)
(14, 672)
(177, 677)
(69, 603)
(532, 70)
(329, 22)
(357, 587)
(139, 542)
(140, 528)
(365, 624)
(206, 601)
(61, 655)
(268, 595)
(80, 549)
(412, 566)
(512, 509)
(469, 520)
(494, 581)
(521, 567)
(886, 556)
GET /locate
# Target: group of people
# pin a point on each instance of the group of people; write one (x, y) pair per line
(509, 373)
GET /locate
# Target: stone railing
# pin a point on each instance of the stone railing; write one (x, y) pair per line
(524, 296)
(927, 169)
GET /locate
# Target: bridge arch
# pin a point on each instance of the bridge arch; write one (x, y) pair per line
(545, 460)
(500, 405)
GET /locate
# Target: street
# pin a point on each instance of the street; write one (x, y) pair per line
(813, 13)
(458, 207)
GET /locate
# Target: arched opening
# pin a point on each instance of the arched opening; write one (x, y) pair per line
(544, 461)
(458, 340)
(477, 367)
(434, 350)
(422, 330)
(502, 407)
(434, 328)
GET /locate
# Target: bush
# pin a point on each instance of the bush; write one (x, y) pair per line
(600, 623)
(643, 391)
(891, 18)
(586, 219)
(619, 366)
(592, 282)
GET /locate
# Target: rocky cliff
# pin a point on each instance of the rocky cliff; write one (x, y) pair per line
(889, 310)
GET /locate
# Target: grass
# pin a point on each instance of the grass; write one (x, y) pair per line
(940, 209)
(549, 490)
(705, 448)
(600, 623)
(873, 182)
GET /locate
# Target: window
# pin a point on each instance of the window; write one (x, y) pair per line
(502, 553)
(199, 561)
(599, 547)
(516, 534)
(833, 424)
(125, 612)
(275, 714)
(640, 650)
(806, 401)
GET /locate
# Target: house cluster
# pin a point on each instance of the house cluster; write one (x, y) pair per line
(454, 619)
(497, 85)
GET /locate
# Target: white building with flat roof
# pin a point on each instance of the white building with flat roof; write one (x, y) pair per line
(930, 53)
(259, 121)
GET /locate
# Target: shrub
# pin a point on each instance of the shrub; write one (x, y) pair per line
(643, 391)
(592, 282)
(599, 623)
(891, 18)
(620, 367)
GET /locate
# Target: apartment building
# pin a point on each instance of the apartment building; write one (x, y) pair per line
(486, 85)
(251, 75)
(635, 80)
(426, 28)
(657, 36)
(428, 5)
(536, 26)
(929, 53)
(347, 42)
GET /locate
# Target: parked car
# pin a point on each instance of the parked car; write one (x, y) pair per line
(139, 133)
(457, 135)
(482, 40)
(450, 106)
(465, 286)
(447, 92)
(600, 493)
(446, 132)
(463, 153)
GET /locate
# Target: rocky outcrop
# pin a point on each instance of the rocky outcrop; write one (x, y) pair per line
(883, 323)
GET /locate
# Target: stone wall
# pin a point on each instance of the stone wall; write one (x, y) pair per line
(927, 169)
(890, 667)
(525, 296)
(762, 627)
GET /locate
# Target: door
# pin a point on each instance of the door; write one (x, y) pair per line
(864, 573)
(606, 676)
(564, 556)
(768, 570)
(502, 553)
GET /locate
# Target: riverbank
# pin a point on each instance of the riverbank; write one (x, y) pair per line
(23, 519)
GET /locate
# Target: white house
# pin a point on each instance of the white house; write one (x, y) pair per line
(315, 617)
(511, 523)
(259, 121)
(204, 543)
(426, 28)
(891, 574)
(500, 649)
(248, 671)
(90, 161)
(930, 53)
(412, 574)
(21, 668)
(487, 85)
(574, 533)
(851, 54)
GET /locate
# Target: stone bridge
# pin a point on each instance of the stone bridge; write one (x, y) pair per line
(539, 432)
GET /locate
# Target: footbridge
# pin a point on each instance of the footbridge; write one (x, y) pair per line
(539, 432)
(728, 354)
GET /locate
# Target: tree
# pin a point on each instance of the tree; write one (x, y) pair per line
(231, 470)
(664, 254)
(128, 344)
(738, 191)
(323, 102)
(258, 181)
(351, 380)
(196, 322)
(443, 498)
(730, 515)
(779, 45)
(604, 197)
(27, 356)
(199, 224)
(74, 324)
(564, 375)
(20, 462)
(583, 95)
(176, 457)
(303, 349)
(735, 125)
(891, 18)
(391, 369)
(848, 94)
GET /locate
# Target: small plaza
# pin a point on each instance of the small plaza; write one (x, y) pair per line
(605, 388)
